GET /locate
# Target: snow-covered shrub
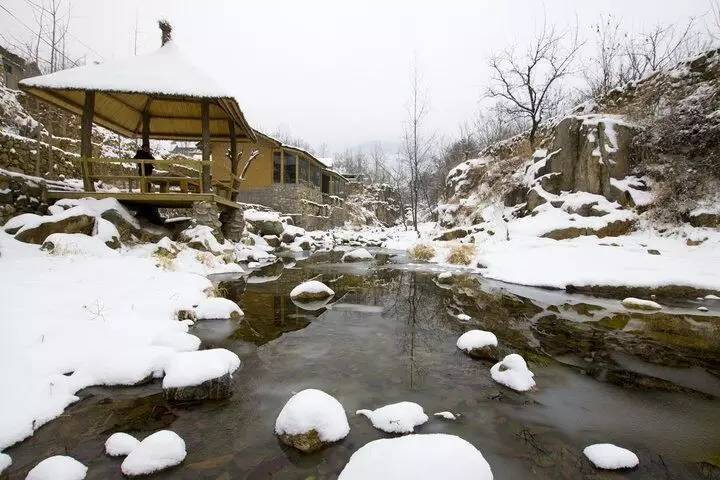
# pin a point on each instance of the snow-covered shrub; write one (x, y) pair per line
(461, 254)
(422, 252)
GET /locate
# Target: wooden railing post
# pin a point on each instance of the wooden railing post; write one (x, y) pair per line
(234, 160)
(206, 177)
(86, 140)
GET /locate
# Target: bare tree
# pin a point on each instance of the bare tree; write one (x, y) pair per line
(608, 68)
(660, 47)
(494, 124)
(416, 146)
(527, 84)
(715, 19)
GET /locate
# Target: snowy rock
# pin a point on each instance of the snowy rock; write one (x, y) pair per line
(702, 309)
(311, 290)
(446, 415)
(400, 417)
(59, 467)
(5, 461)
(264, 223)
(357, 255)
(37, 232)
(640, 304)
(712, 297)
(445, 278)
(291, 232)
(161, 450)
(216, 308)
(200, 237)
(415, 457)
(479, 344)
(464, 317)
(201, 375)
(76, 244)
(310, 420)
(611, 457)
(513, 372)
(120, 444)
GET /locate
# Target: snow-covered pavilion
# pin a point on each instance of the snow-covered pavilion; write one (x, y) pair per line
(160, 95)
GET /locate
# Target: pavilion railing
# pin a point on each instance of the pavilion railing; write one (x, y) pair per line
(130, 173)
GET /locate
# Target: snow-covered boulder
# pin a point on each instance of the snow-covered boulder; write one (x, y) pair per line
(464, 317)
(59, 467)
(310, 420)
(416, 457)
(178, 340)
(446, 415)
(400, 417)
(479, 344)
(5, 461)
(263, 223)
(216, 308)
(201, 375)
(310, 291)
(702, 309)
(120, 444)
(291, 232)
(610, 457)
(445, 278)
(357, 255)
(513, 372)
(200, 237)
(161, 450)
(640, 304)
(76, 244)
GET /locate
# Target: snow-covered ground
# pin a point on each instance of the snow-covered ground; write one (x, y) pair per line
(74, 320)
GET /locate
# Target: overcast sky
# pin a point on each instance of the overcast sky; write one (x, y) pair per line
(338, 72)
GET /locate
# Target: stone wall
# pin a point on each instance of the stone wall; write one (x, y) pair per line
(304, 204)
(21, 194)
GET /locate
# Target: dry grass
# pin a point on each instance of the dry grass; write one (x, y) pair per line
(422, 252)
(461, 254)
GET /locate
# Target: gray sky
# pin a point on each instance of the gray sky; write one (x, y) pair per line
(338, 72)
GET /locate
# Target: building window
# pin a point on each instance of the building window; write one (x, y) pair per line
(315, 175)
(303, 172)
(277, 166)
(290, 161)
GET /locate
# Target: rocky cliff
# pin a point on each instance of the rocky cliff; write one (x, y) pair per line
(646, 153)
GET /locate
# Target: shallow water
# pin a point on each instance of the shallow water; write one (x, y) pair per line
(645, 382)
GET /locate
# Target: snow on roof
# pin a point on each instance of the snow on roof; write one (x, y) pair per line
(165, 71)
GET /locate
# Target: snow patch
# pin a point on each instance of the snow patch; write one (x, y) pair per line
(513, 372)
(59, 467)
(400, 417)
(188, 369)
(161, 450)
(120, 444)
(610, 457)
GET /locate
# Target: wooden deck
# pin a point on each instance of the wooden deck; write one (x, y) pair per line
(167, 200)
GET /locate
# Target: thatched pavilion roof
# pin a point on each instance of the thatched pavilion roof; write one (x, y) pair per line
(163, 83)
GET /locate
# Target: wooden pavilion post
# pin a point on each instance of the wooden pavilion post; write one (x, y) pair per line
(86, 140)
(145, 146)
(234, 160)
(206, 176)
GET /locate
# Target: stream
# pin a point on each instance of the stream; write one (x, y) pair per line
(649, 382)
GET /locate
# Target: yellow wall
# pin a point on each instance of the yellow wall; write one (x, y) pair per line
(259, 174)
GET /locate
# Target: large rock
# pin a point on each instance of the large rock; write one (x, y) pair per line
(73, 224)
(129, 231)
(705, 219)
(452, 234)
(612, 229)
(214, 389)
(264, 223)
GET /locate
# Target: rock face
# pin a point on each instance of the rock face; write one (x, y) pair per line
(705, 219)
(215, 389)
(612, 229)
(74, 224)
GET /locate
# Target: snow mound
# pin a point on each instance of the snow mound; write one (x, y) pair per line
(702, 309)
(357, 255)
(312, 289)
(610, 457)
(188, 369)
(58, 467)
(513, 372)
(77, 244)
(156, 452)
(313, 409)
(446, 415)
(120, 444)
(202, 235)
(712, 297)
(640, 304)
(416, 457)
(445, 275)
(476, 339)
(400, 417)
(464, 317)
(177, 340)
(252, 215)
(217, 308)
(5, 461)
